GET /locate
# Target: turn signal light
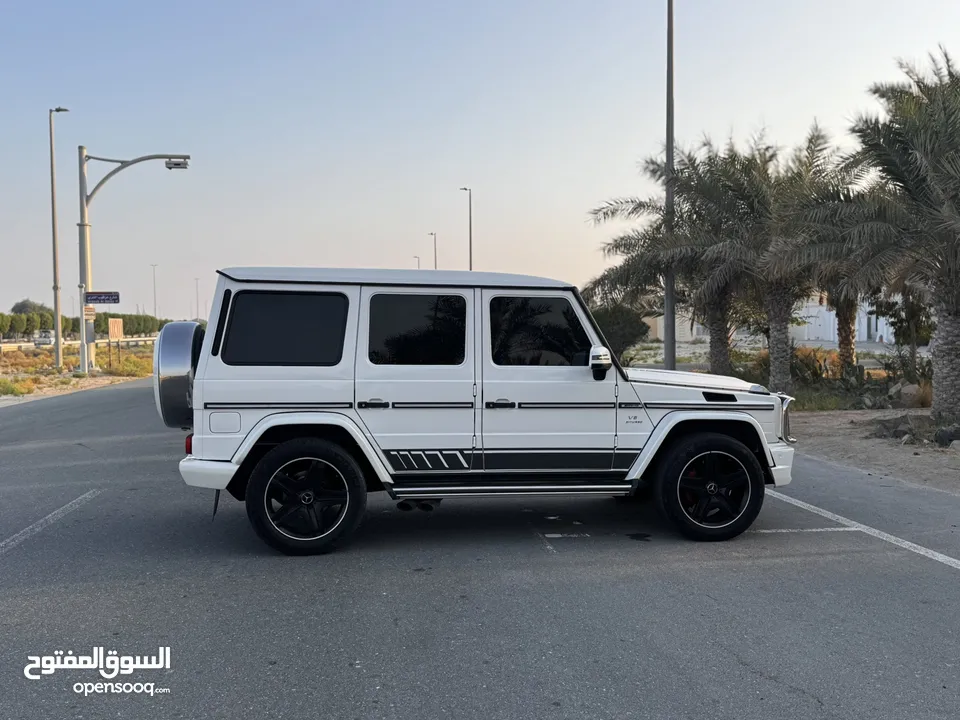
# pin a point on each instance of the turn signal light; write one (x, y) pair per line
(188, 444)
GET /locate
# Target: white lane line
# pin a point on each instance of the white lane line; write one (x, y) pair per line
(880, 534)
(546, 543)
(842, 528)
(11, 542)
(565, 535)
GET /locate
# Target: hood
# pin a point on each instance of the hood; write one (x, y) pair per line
(690, 379)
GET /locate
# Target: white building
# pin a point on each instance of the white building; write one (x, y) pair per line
(821, 326)
(687, 329)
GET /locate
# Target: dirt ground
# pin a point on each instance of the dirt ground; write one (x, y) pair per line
(76, 384)
(86, 383)
(844, 437)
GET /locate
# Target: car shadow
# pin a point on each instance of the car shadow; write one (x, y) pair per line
(453, 524)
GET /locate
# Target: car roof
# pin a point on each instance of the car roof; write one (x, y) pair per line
(379, 276)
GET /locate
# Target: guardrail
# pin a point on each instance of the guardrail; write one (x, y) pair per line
(29, 345)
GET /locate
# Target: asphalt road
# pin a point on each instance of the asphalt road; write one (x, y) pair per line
(478, 610)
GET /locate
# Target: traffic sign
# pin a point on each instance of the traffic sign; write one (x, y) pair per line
(102, 298)
(89, 313)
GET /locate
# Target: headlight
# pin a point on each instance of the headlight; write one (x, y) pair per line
(785, 435)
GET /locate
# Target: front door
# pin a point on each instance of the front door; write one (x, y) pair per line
(543, 413)
(415, 379)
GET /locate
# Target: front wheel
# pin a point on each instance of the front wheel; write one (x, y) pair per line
(306, 496)
(710, 486)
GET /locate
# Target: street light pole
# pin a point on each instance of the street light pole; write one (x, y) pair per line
(57, 323)
(669, 298)
(87, 348)
(418, 261)
(434, 249)
(88, 341)
(469, 192)
(154, 289)
(197, 306)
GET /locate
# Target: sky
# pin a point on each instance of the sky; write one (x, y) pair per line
(336, 134)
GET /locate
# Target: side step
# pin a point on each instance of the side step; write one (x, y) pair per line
(445, 491)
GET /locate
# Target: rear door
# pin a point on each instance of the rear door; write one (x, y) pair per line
(415, 379)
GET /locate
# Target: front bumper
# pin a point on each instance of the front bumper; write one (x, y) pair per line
(782, 463)
(214, 474)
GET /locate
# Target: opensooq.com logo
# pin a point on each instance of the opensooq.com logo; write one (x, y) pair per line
(110, 664)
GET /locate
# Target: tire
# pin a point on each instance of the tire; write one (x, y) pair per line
(709, 486)
(306, 496)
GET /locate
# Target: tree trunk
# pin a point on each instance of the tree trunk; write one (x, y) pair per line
(779, 303)
(946, 356)
(846, 310)
(718, 324)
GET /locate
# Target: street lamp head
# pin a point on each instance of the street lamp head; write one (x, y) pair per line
(465, 188)
(60, 109)
(177, 164)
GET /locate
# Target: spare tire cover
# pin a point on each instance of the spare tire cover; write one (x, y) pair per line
(174, 357)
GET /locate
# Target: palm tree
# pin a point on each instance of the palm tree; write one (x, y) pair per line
(752, 199)
(906, 227)
(647, 253)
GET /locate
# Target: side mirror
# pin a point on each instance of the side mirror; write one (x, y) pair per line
(600, 361)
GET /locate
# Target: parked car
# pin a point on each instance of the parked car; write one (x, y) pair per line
(439, 384)
(44, 337)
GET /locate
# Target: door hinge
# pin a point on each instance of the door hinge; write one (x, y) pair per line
(474, 446)
(474, 389)
(616, 390)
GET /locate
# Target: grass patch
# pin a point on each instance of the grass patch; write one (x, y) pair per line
(131, 366)
(16, 388)
(811, 399)
(79, 375)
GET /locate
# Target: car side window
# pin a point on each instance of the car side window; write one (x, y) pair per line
(537, 331)
(271, 328)
(415, 329)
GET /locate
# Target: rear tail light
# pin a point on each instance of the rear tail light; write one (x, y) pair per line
(188, 444)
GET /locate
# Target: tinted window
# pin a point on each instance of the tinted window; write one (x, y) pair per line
(536, 331)
(410, 329)
(285, 328)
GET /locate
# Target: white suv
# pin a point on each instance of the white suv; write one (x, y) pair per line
(436, 384)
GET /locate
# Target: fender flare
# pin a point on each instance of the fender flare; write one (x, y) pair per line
(672, 419)
(315, 418)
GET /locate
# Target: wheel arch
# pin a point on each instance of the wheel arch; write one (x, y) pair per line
(740, 426)
(280, 427)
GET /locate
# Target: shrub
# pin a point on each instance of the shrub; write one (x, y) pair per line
(131, 366)
(622, 326)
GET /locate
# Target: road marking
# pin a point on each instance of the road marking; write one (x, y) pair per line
(546, 543)
(879, 534)
(565, 535)
(14, 540)
(843, 528)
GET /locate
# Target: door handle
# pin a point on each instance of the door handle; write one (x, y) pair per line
(373, 404)
(500, 404)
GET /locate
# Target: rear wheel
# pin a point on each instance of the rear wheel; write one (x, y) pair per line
(710, 486)
(306, 496)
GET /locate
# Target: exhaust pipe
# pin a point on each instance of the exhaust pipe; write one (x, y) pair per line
(405, 505)
(428, 505)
